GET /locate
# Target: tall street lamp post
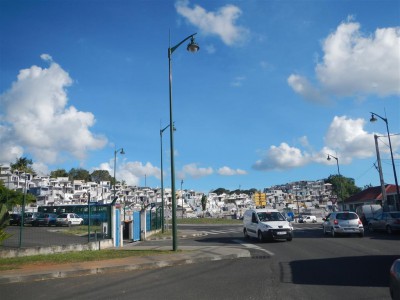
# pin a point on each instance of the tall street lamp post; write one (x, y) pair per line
(340, 179)
(121, 151)
(192, 47)
(373, 119)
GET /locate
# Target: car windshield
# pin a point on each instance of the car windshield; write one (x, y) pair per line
(270, 216)
(63, 216)
(346, 216)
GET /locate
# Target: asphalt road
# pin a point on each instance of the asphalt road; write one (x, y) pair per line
(311, 266)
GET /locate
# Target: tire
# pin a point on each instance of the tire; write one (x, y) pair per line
(389, 229)
(290, 238)
(361, 234)
(370, 228)
(69, 224)
(333, 234)
(324, 229)
(260, 237)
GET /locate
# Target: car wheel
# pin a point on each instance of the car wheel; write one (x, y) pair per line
(324, 229)
(370, 228)
(333, 232)
(389, 229)
(361, 234)
(290, 238)
(246, 236)
(260, 237)
(69, 224)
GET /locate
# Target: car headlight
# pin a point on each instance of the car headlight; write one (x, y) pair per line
(267, 226)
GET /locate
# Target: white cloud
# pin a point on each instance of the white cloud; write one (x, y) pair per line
(282, 157)
(226, 171)
(35, 118)
(345, 139)
(131, 172)
(134, 172)
(220, 23)
(194, 171)
(302, 86)
(347, 136)
(355, 64)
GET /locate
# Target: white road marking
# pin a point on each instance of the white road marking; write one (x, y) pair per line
(255, 247)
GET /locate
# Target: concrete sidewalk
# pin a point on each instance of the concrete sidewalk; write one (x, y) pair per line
(187, 255)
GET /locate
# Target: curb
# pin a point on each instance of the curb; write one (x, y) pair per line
(127, 264)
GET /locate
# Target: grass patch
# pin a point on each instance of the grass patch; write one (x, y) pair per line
(72, 257)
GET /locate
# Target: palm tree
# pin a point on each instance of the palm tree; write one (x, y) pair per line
(23, 164)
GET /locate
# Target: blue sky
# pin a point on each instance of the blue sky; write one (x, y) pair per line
(275, 87)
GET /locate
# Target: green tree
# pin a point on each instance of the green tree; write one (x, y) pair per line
(203, 202)
(23, 164)
(221, 191)
(59, 173)
(101, 175)
(11, 198)
(4, 218)
(79, 174)
(342, 186)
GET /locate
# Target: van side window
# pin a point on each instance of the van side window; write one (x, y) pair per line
(254, 218)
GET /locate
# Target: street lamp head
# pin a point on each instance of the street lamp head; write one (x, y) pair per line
(328, 158)
(122, 151)
(373, 119)
(192, 46)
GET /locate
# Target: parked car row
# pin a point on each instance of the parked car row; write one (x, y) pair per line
(46, 219)
(347, 222)
(386, 221)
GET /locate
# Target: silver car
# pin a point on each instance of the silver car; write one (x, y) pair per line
(388, 221)
(342, 222)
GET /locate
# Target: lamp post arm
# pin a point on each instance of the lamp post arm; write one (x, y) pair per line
(171, 50)
(382, 118)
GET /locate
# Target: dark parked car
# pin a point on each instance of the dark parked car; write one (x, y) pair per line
(15, 219)
(45, 219)
(30, 217)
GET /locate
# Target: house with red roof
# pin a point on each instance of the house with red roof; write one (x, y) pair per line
(373, 195)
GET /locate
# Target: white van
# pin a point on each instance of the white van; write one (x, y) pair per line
(266, 224)
(308, 219)
(367, 212)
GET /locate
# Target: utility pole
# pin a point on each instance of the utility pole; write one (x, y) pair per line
(378, 157)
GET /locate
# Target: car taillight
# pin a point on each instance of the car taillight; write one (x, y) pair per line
(336, 222)
(359, 222)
